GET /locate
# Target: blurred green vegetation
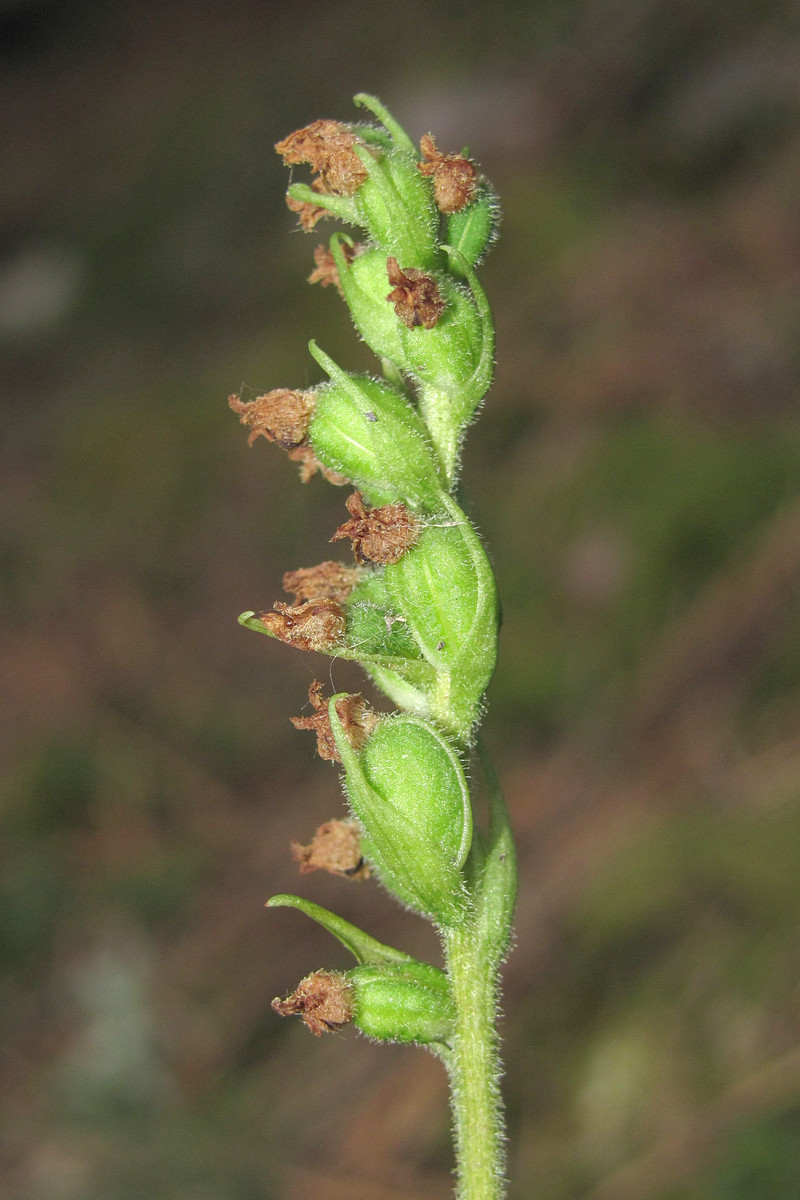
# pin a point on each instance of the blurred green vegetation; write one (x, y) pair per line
(635, 474)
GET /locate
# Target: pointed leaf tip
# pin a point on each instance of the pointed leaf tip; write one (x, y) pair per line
(365, 949)
(251, 620)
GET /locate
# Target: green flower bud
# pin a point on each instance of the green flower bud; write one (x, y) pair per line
(389, 996)
(402, 1002)
(473, 229)
(430, 327)
(407, 788)
(444, 587)
(367, 430)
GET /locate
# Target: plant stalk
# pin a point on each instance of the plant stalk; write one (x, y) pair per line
(474, 952)
(404, 773)
(474, 1068)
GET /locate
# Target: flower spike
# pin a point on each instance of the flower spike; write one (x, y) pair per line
(417, 609)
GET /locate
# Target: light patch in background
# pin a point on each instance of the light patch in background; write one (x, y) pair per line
(115, 1057)
(39, 287)
(619, 1079)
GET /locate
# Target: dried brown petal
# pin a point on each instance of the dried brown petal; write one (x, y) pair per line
(327, 147)
(308, 214)
(379, 535)
(357, 718)
(328, 580)
(282, 416)
(316, 625)
(324, 1000)
(335, 847)
(310, 464)
(313, 144)
(415, 296)
(454, 177)
(325, 272)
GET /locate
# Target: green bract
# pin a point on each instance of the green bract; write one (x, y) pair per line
(408, 791)
(343, 207)
(365, 949)
(386, 647)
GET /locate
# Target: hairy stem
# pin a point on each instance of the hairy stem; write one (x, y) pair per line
(475, 1068)
(474, 952)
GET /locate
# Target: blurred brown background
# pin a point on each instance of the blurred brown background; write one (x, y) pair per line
(635, 474)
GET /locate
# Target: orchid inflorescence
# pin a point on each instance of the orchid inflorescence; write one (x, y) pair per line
(417, 609)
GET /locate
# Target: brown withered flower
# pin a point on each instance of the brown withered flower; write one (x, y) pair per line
(454, 177)
(357, 718)
(284, 416)
(327, 147)
(336, 848)
(308, 214)
(323, 999)
(415, 296)
(325, 272)
(379, 535)
(328, 580)
(281, 416)
(310, 464)
(315, 625)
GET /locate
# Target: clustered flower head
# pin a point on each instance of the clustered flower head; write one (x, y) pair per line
(416, 606)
